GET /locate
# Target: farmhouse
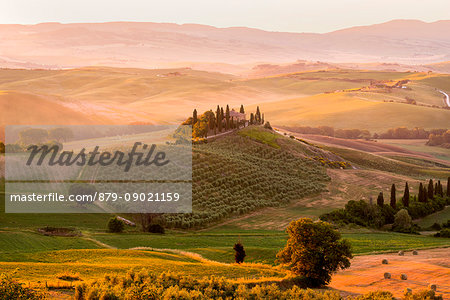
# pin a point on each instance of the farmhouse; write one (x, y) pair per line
(237, 116)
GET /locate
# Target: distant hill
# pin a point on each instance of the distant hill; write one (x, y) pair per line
(148, 45)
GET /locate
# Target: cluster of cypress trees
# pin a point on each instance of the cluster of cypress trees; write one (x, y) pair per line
(432, 190)
(220, 121)
(256, 118)
(425, 194)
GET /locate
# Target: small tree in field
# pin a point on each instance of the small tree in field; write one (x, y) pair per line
(402, 221)
(240, 253)
(315, 251)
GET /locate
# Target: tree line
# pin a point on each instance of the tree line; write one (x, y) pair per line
(435, 136)
(431, 197)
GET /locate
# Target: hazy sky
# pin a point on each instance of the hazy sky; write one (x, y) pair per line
(275, 15)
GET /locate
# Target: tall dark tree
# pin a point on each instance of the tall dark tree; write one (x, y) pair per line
(252, 119)
(221, 118)
(262, 121)
(421, 195)
(380, 199)
(227, 118)
(440, 191)
(241, 110)
(257, 115)
(430, 189)
(405, 199)
(393, 197)
(217, 116)
(448, 186)
(239, 254)
(194, 117)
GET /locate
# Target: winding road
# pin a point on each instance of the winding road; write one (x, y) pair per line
(447, 100)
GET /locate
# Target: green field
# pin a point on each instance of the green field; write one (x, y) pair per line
(439, 217)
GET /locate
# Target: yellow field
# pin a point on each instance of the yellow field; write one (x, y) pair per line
(94, 263)
(346, 110)
(104, 95)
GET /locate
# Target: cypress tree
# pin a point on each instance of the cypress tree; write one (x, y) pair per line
(217, 116)
(221, 118)
(380, 199)
(393, 197)
(211, 121)
(430, 189)
(227, 118)
(257, 115)
(251, 119)
(441, 190)
(448, 186)
(262, 119)
(194, 117)
(421, 196)
(405, 199)
(241, 110)
(436, 188)
(239, 252)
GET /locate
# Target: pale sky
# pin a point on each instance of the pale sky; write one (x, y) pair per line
(273, 15)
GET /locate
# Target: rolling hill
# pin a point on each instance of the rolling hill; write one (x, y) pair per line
(337, 97)
(149, 45)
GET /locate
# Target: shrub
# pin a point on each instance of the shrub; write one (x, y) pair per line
(443, 233)
(267, 126)
(421, 295)
(378, 295)
(115, 225)
(9, 289)
(69, 276)
(145, 285)
(300, 252)
(156, 228)
(435, 226)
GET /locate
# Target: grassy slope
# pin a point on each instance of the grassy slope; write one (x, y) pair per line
(439, 217)
(370, 161)
(239, 173)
